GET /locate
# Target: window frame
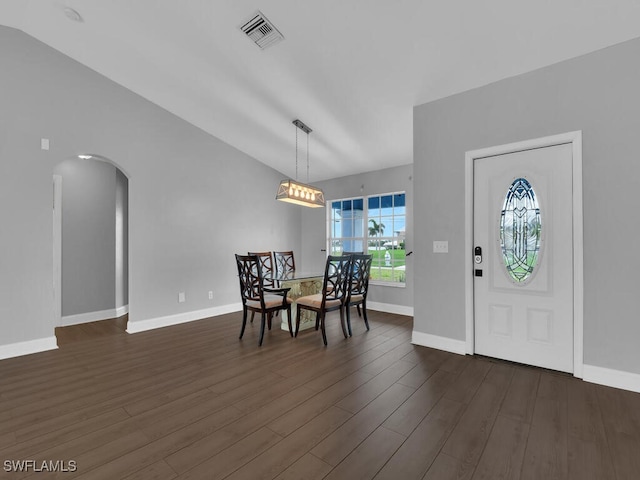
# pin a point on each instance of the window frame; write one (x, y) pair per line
(365, 238)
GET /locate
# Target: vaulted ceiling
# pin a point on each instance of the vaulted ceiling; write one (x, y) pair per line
(350, 69)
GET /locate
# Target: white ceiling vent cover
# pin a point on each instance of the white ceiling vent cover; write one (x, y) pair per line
(261, 31)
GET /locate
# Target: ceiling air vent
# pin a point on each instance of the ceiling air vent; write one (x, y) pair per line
(261, 31)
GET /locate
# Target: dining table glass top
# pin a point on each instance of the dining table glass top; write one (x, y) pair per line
(295, 275)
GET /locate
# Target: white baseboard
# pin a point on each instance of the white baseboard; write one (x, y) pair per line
(390, 308)
(611, 378)
(590, 373)
(152, 323)
(441, 343)
(79, 318)
(123, 310)
(28, 347)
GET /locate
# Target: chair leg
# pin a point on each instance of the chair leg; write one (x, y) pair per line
(324, 334)
(269, 317)
(317, 320)
(297, 320)
(252, 314)
(244, 322)
(289, 320)
(262, 324)
(344, 330)
(348, 319)
(359, 312)
(364, 313)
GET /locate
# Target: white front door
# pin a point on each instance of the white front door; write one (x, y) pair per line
(523, 279)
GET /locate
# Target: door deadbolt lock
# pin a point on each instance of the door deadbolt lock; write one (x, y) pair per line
(477, 255)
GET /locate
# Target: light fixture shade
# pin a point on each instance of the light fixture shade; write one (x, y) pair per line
(300, 193)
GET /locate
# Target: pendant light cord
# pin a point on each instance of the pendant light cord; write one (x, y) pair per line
(307, 158)
(301, 126)
(296, 153)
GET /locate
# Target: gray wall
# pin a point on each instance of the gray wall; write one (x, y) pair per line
(187, 214)
(314, 224)
(88, 236)
(596, 93)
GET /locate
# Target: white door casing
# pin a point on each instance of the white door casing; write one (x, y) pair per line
(539, 321)
(57, 250)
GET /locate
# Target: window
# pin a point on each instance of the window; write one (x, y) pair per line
(520, 230)
(374, 225)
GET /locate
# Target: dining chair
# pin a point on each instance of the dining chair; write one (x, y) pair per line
(285, 263)
(266, 264)
(257, 298)
(332, 296)
(358, 287)
(352, 253)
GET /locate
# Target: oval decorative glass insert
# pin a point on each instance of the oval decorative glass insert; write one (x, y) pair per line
(520, 229)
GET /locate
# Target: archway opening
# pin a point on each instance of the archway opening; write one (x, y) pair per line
(91, 246)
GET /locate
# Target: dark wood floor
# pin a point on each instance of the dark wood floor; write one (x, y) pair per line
(91, 330)
(191, 401)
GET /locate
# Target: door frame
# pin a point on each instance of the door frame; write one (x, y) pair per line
(575, 139)
(57, 250)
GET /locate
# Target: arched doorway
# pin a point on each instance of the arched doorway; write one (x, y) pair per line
(90, 250)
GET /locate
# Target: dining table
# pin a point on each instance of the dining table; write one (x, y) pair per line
(301, 284)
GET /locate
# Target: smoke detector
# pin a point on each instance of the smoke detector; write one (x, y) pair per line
(261, 31)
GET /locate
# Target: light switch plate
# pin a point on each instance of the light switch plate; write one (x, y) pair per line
(440, 246)
(181, 297)
(44, 144)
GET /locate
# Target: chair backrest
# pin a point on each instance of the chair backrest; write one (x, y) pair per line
(285, 262)
(336, 276)
(266, 265)
(359, 274)
(250, 276)
(352, 253)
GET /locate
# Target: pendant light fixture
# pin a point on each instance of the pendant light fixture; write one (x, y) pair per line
(293, 191)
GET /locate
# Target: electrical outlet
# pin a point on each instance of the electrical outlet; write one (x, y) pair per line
(210, 295)
(181, 297)
(440, 246)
